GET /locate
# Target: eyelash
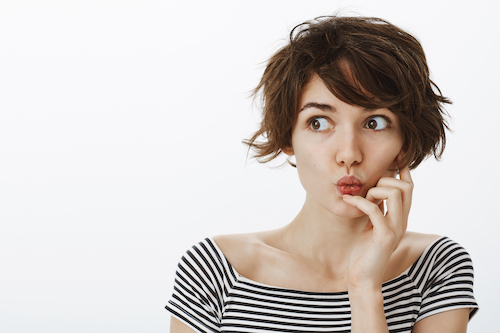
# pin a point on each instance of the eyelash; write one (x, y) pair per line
(389, 122)
(312, 119)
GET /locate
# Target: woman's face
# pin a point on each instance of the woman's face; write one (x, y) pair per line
(341, 148)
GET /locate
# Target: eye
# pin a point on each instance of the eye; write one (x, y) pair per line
(319, 124)
(377, 123)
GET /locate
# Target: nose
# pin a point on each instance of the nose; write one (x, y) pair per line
(349, 150)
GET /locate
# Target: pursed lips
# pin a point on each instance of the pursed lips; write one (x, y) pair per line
(349, 185)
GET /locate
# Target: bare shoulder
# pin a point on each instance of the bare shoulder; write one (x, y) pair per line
(236, 246)
(418, 242)
(411, 246)
(244, 251)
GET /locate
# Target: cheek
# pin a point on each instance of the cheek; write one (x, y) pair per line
(308, 166)
(386, 161)
(312, 167)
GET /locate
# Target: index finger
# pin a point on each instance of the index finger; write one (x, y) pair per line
(404, 174)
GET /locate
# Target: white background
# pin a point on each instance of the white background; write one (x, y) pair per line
(120, 146)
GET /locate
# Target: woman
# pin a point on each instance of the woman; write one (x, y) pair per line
(350, 98)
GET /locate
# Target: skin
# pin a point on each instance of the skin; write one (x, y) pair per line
(342, 242)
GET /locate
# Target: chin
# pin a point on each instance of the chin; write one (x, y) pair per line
(356, 213)
(348, 211)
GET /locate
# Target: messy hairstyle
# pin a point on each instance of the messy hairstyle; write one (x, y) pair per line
(386, 68)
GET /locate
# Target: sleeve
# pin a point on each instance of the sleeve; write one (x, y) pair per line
(197, 296)
(450, 283)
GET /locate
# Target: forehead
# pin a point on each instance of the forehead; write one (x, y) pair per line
(354, 83)
(315, 90)
(316, 94)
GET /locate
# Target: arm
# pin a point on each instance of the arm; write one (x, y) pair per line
(366, 270)
(177, 326)
(367, 312)
(453, 321)
(197, 295)
(448, 301)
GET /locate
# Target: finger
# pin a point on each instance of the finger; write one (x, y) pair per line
(397, 215)
(377, 218)
(394, 201)
(369, 208)
(405, 188)
(404, 174)
(381, 206)
(395, 226)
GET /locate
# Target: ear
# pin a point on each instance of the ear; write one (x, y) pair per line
(400, 156)
(288, 151)
(399, 159)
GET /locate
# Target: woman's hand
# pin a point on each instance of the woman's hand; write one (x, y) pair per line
(367, 264)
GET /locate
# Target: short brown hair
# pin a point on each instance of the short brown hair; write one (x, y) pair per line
(388, 69)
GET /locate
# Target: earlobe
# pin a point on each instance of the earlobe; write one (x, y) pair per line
(288, 151)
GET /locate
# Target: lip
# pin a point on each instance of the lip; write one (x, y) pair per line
(349, 185)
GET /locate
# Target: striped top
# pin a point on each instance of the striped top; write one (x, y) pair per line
(210, 296)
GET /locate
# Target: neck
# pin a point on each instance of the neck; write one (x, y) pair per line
(322, 236)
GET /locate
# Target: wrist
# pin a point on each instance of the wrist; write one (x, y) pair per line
(366, 294)
(364, 288)
(367, 310)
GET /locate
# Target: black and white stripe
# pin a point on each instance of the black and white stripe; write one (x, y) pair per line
(210, 296)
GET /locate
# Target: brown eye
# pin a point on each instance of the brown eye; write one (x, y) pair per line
(315, 125)
(319, 124)
(377, 123)
(371, 124)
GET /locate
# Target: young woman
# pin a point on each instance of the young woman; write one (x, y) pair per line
(350, 98)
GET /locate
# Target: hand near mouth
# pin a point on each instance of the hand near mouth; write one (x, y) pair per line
(366, 269)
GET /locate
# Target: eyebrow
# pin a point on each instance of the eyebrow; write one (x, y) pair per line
(328, 107)
(322, 107)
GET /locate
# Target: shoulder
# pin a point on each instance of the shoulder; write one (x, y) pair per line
(447, 255)
(204, 269)
(428, 248)
(410, 248)
(416, 243)
(236, 246)
(201, 283)
(433, 246)
(247, 252)
(203, 261)
(443, 259)
(444, 276)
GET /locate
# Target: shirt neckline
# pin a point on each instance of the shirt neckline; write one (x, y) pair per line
(241, 278)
